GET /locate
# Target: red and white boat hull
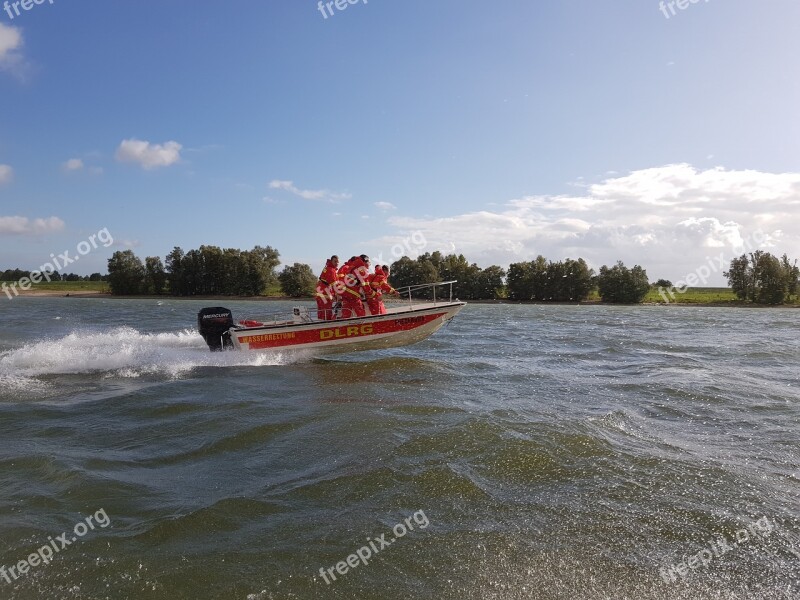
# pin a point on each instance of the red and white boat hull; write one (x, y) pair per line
(399, 327)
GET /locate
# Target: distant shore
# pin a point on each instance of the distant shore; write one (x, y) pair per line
(96, 294)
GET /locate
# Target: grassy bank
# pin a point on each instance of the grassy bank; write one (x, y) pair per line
(68, 287)
(692, 296)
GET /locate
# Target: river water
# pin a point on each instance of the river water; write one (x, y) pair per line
(522, 452)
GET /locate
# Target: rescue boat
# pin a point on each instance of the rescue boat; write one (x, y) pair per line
(408, 323)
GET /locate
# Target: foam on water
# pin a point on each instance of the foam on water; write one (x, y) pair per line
(121, 352)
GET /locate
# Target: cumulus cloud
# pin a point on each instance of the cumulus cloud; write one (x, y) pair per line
(11, 58)
(147, 155)
(10, 43)
(669, 219)
(10, 40)
(73, 164)
(322, 195)
(6, 174)
(385, 205)
(26, 226)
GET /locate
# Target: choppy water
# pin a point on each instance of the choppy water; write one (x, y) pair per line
(537, 452)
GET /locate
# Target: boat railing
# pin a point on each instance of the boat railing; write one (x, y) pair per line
(299, 314)
(425, 293)
(444, 288)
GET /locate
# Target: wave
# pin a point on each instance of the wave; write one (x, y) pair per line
(122, 351)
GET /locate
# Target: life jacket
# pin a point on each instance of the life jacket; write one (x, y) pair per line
(380, 283)
(354, 275)
(329, 274)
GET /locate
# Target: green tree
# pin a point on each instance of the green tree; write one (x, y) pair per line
(772, 281)
(265, 261)
(740, 278)
(126, 273)
(539, 279)
(564, 281)
(298, 280)
(761, 277)
(457, 268)
(489, 284)
(156, 276)
(623, 285)
(407, 272)
(578, 280)
(176, 274)
(520, 281)
(211, 270)
(792, 272)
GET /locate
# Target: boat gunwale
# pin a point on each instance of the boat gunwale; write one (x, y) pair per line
(350, 320)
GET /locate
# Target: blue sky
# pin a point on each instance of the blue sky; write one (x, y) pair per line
(501, 130)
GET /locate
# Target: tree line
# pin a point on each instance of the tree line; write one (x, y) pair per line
(763, 278)
(758, 277)
(207, 271)
(211, 270)
(17, 274)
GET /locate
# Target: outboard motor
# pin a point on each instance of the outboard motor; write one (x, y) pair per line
(214, 324)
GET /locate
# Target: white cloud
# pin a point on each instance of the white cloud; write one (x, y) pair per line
(323, 195)
(73, 164)
(6, 174)
(12, 59)
(668, 219)
(149, 156)
(26, 226)
(10, 40)
(10, 44)
(385, 205)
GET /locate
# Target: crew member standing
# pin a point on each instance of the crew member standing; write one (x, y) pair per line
(379, 282)
(354, 277)
(325, 289)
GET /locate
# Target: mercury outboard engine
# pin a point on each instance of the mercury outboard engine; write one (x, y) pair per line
(214, 324)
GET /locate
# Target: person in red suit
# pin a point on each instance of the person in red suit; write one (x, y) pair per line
(373, 294)
(379, 282)
(325, 291)
(353, 275)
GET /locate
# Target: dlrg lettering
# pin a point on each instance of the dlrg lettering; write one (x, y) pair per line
(343, 332)
(25, 4)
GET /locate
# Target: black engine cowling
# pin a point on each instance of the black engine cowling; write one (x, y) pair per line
(214, 324)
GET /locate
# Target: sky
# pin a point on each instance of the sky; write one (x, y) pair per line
(664, 134)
